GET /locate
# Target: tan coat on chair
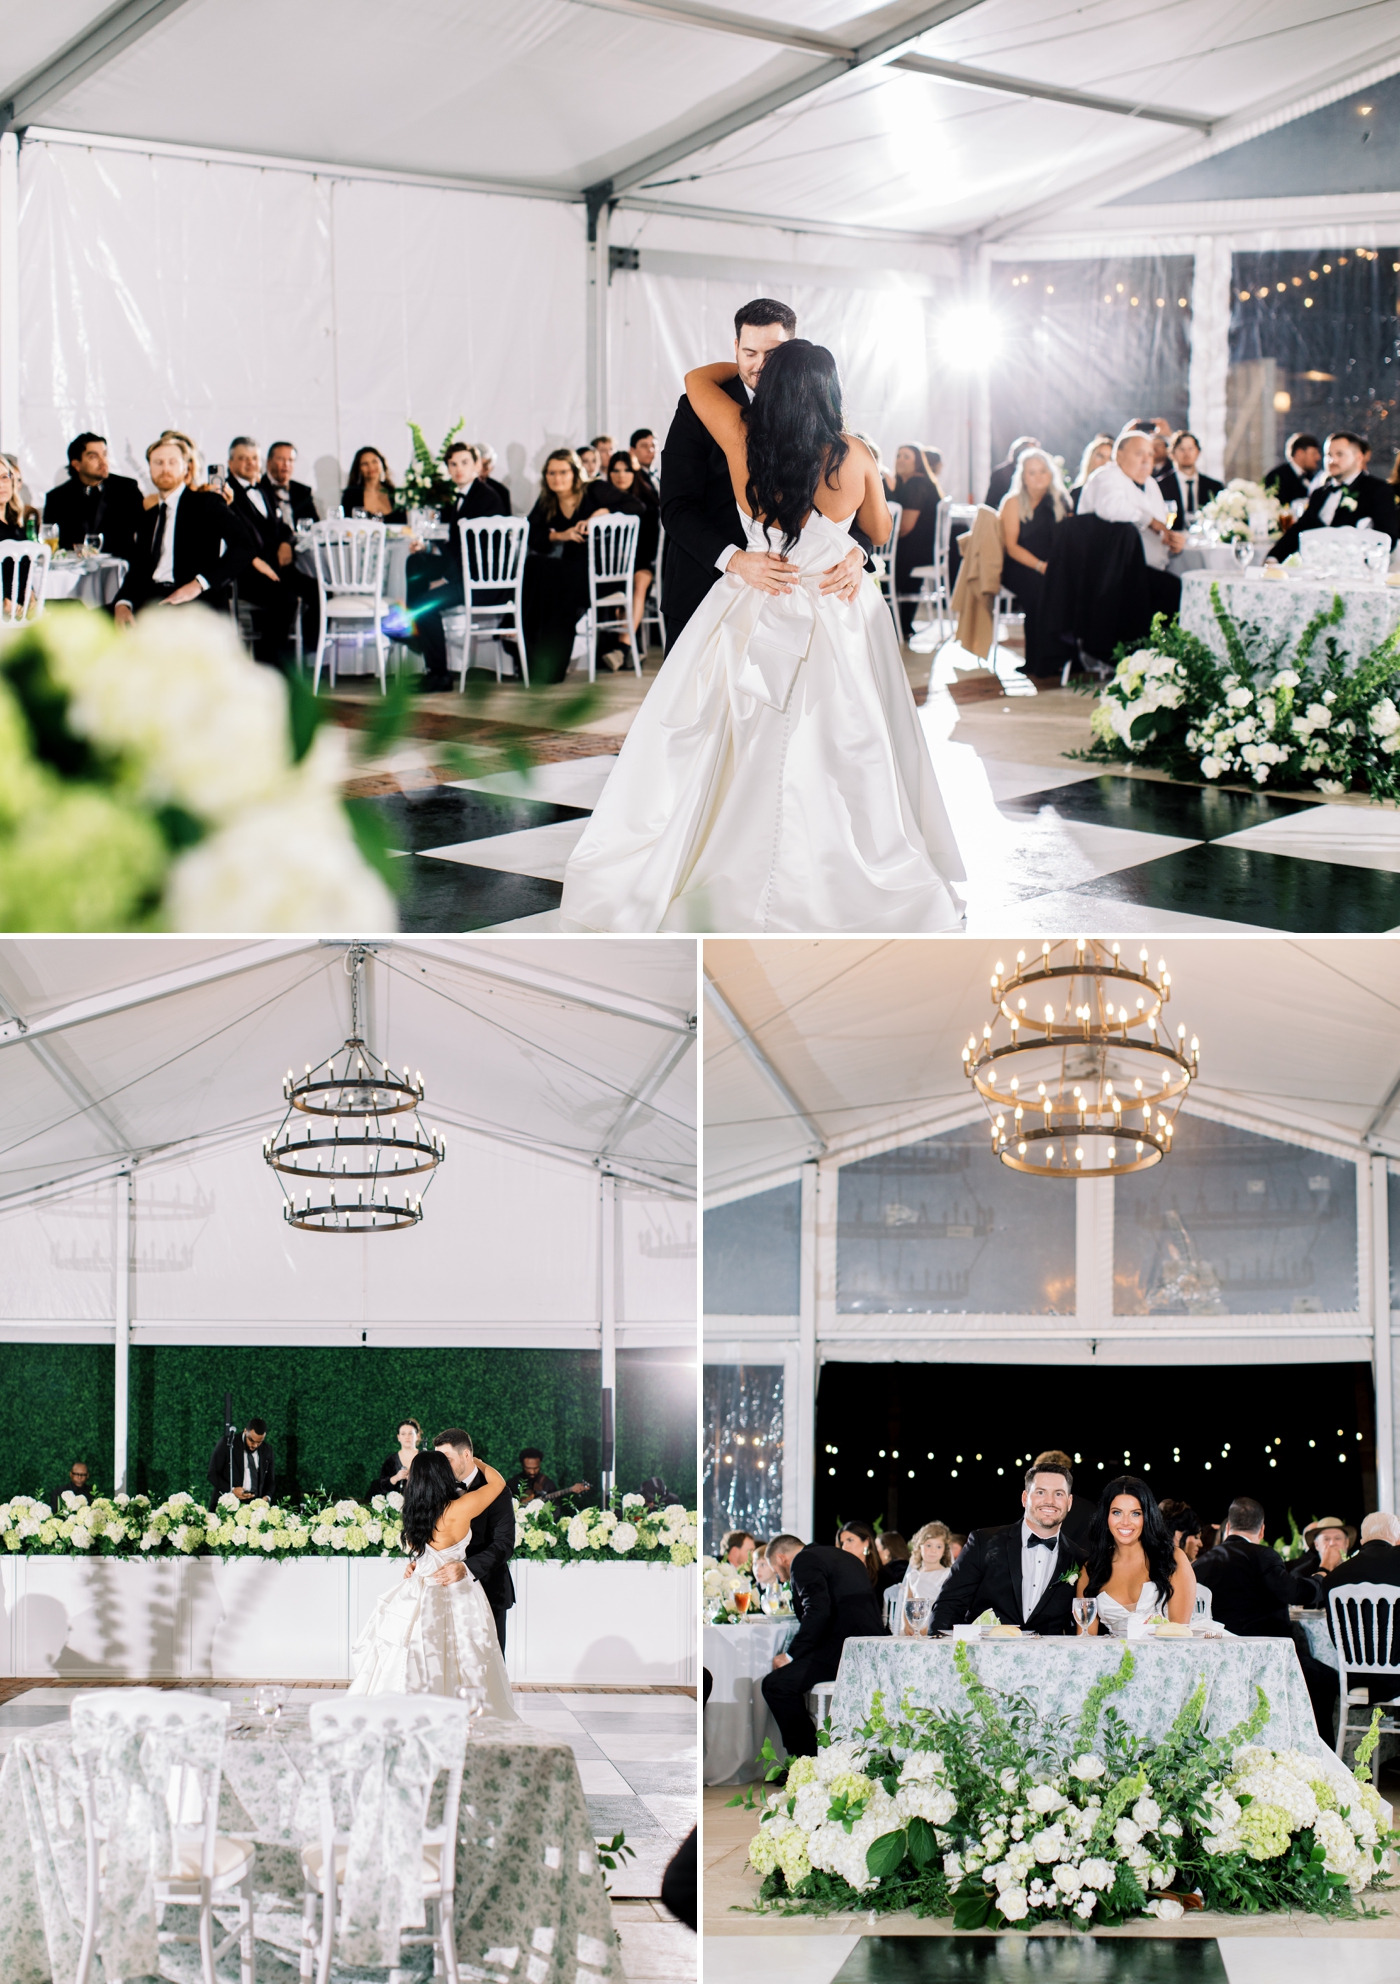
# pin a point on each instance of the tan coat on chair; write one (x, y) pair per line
(979, 581)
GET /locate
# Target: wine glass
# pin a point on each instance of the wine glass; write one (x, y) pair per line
(359, 515)
(473, 1700)
(92, 545)
(51, 536)
(268, 1702)
(1244, 553)
(1169, 515)
(916, 1612)
(1085, 1610)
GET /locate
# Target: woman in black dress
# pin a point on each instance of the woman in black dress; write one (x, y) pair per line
(556, 570)
(919, 491)
(394, 1473)
(1029, 512)
(16, 570)
(371, 490)
(627, 494)
(893, 1552)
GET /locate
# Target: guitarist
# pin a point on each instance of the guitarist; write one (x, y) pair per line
(532, 1482)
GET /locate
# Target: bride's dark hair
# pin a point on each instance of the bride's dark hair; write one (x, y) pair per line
(1156, 1538)
(431, 1486)
(795, 431)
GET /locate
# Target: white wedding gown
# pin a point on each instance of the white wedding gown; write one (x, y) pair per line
(431, 1639)
(1113, 1617)
(776, 777)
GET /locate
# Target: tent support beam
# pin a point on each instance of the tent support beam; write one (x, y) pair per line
(487, 963)
(99, 44)
(745, 1040)
(125, 1188)
(122, 998)
(9, 292)
(650, 1085)
(1382, 1347)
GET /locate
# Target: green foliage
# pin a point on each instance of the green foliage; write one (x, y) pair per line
(426, 483)
(1106, 1685)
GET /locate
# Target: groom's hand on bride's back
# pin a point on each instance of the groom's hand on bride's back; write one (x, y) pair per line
(765, 571)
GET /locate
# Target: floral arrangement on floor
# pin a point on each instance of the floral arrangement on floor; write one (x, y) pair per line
(426, 483)
(1233, 514)
(1259, 715)
(154, 778)
(134, 1526)
(1001, 1818)
(627, 1530)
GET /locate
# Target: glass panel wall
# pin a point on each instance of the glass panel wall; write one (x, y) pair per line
(752, 1254)
(742, 1471)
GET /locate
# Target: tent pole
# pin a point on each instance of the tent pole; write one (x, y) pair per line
(607, 1210)
(9, 292)
(1381, 1352)
(978, 278)
(596, 325)
(122, 1334)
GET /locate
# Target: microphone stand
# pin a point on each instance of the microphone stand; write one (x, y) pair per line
(230, 1434)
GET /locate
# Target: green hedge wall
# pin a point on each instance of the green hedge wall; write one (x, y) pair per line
(331, 1413)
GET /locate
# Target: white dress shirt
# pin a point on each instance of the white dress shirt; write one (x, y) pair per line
(247, 1470)
(1038, 1564)
(1327, 515)
(1190, 490)
(1113, 495)
(722, 562)
(164, 573)
(255, 495)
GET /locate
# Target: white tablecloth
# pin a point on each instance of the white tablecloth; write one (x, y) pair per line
(360, 659)
(1199, 557)
(736, 1715)
(95, 581)
(1279, 609)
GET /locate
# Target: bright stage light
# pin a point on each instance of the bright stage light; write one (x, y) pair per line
(968, 336)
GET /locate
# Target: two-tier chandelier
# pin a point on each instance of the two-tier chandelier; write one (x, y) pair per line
(342, 1138)
(1087, 1078)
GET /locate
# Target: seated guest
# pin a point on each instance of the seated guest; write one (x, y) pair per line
(1123, 491)
(1292, 481)
(394, 1472)
(486, 461)
(858, 1539)
(1181, 479)
(1018, 1573)
(1098, 451)
(762, 1571)
(737, 1548)
(14, 573)
(195, 477)
(1328, 1540)
(1133, 1568)
(926, 1573)
(556, 573)
(269, 583)
(293, 501)
(1082, 1508)
(93, 502)
(643, 449)
(1001, 475)
(242, 1465)
(893, 1554)
(1348, 497)
(604, 447)
(1376, 1562)
(588, 461)
(956, 1545)
(435, 584)
(1251, 1590)
(370, 489)
(1185, 1526)
(532, 1479)
(834, 1601)
(918, 492)
(1029, 513)
(628, 493)
(26, 510)
(79, 1481)
(190, 544)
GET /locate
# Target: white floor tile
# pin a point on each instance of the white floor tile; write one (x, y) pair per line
(553, 1721)
(1009, 780)
(1090, 916)
(681, 1706)
(546, 919)
(677, 1814)
(541, 851)
(1301, 1960)
(571, 782)
(1050, 850)
(777, 1959)
(639, 1747)
(658, 1951)
(1352, 836)
(599, 1778)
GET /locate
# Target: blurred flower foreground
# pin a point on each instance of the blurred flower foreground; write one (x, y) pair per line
(154, 778)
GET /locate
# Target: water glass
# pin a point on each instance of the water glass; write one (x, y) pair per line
(268, 1702)
(360, 514)
(1085, 1610)
(92, 545)
(473, 1700)
(916, 1611)
(1244, 553)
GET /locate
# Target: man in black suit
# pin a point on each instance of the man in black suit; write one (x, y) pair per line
(1251, 1589)
(644, 452)
(293, 501)
(1349, 496)
(271, 584)
(435, 573)
(493, 1533)
(242, 1464)
(704, 531)
(1001, 477)
(1376, 1562)
(486, 461)
(1181, 479)
(1293, 477)
(834, 1601)
(189, 546)
(93, 502)
(1025, 1574)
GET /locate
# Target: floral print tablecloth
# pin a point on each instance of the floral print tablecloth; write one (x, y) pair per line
(1058, 1673)
(531, 1906)
(1279, 609)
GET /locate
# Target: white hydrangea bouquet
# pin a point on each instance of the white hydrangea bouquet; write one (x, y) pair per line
(1242, 511)
(627, 1531)
(132, 1525)
(101, 1527)
(719, 1582)
(1002, 1818)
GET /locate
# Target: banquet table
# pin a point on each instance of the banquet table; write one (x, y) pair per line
(531, 1904)
(736, 1716)
(1314, 1624)
(94, 581)
(1058, 1673)
(1279, 609)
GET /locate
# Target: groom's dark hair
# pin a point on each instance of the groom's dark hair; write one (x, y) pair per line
(1051, 1464)
(765, 310)
(455, 1437)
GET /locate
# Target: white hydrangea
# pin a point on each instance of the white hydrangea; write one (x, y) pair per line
(624, 1538)
(839, 1759)
(926, 1800)
(577, 1533)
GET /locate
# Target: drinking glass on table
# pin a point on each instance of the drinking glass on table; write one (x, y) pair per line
(50, 536)
(1244, 553)
(92, 545)
(473, 1700)
(269, 1702)
(741, 1601)
(916, 1611)
(1085, 1610)
(1169, 515)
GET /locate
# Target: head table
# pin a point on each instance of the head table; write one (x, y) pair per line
(531, 1906)
(736, 1659)
(1281, 608)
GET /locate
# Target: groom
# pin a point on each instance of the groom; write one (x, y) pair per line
(493, 1533)
(704, 531)
(1025, 1574)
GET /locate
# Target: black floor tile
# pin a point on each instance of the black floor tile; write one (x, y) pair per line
(1243, 885)
(1151, 807)
(1012, 1958)
(452, 895)
(442, 816)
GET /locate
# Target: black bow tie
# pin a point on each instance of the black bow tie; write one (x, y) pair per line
(1046, 1542)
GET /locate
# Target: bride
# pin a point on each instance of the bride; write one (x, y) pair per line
(429, 1636)
(1133, 1567)
(776, 777)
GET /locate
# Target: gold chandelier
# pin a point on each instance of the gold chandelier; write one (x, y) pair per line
(1088, 1077)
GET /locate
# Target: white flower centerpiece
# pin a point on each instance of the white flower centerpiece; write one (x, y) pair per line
(626, 1532)
(1241, 513)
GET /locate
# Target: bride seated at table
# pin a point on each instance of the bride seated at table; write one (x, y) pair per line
(1134, 1570)
(930, 1561)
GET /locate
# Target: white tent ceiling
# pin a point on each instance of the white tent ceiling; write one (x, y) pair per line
(866, 1039)
(907, 116)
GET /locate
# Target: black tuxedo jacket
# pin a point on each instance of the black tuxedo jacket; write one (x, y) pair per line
(1172, 492)
(1287, 484)
(1374, 1563)
(303, 503)
(226, 1472)
(699, 513)
(112, 507)
(211, 542)
(1251, 1588)
(1374, 499)
(834, 1601)
(988, 1575)
(478, 499)
(488, 1553)
(269, 530)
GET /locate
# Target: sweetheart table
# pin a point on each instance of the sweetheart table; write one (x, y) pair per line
(1281, 608)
